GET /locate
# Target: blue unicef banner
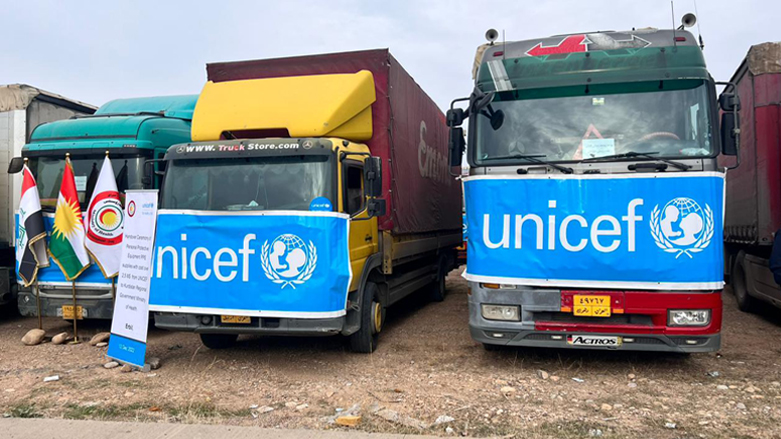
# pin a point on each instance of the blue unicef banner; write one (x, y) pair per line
(657, 231)
(52, 275)
(265, 264)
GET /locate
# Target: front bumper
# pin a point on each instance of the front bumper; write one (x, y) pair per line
(642, 327)
(210, 324)
(96, 304)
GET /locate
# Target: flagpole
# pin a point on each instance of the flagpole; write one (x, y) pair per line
(113, 291)
(75, 314)
(38, 302)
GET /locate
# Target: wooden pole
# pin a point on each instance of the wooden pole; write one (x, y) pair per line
(75, 314)
(38, 302)
(113, 291)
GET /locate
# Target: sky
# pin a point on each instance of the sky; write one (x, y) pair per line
(97, 51)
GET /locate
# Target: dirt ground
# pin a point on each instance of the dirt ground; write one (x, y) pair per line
(427, 367)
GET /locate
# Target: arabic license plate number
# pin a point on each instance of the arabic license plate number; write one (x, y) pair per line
(67, 312)
(242, 320)
(591, 306)
(594, 340)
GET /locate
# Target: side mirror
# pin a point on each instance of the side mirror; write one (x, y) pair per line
(729, 102)
(455, 117)
(729, 134)
(456, 146)
(497, 119)
(16, 165)
(372, 176)
(376, 207)
(150, 172)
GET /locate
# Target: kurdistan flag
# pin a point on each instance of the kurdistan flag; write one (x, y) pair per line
(66, 245)
(104, 222)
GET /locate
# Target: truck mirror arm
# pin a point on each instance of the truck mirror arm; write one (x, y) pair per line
(456, 143)
(150, 172)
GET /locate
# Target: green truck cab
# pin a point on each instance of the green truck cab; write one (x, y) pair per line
(134, 132)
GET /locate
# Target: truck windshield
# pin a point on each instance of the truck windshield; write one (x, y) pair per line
(665, 123)
(257, 183)
(48, 174)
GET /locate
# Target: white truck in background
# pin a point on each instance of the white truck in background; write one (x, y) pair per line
(22, 108)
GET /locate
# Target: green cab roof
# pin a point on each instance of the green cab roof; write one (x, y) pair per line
(171, 106)
(590, 59)
(121, 123)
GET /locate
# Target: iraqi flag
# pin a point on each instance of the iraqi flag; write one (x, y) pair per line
(66, 245)
(31, 242)
(105, 219)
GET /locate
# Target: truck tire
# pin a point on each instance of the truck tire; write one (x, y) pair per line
(219, 341)
(364, 341)
(746, 303)
(438, 290)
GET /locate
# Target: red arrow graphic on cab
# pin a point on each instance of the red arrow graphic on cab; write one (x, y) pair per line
(570, 44)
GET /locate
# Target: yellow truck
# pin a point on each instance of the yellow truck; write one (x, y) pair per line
(325, 180)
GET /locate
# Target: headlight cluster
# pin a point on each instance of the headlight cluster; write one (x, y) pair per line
(688, 317)
(501, 312)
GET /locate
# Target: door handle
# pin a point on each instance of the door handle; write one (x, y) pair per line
(368, 238)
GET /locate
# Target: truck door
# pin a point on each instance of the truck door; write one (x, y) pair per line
(363, 231)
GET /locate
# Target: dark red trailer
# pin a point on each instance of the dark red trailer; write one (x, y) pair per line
(753, 205)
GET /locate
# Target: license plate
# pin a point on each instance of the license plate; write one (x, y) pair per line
(243, 320)
(67, 312)
(594, 340)
(591, 306)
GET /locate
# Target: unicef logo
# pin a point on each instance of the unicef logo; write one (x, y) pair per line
(682, 227)
(288, 260)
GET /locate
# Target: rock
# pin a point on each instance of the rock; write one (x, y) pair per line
(61, 338)
(449, 430)
(631, 376)
(51, 378)
(126, 368)
(265, 409)
(102, 344)
(302, 407)
(153, 362)
(579, 380)
(632, 385)
(374, 408)
(507, 389)
(253, 407)
(443, 419)
(713, 374)
(740, 406)
(595, 432)
(555, 379)
(722, 387)
(348, 421)
(111, 365)
(606, 407)
(501, 382)
(99, 337)
(34, 337)
(670, 425)
(541, 374)
(290, 404)
(395, 417)
(751, 389)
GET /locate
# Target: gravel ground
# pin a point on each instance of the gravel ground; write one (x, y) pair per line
(427, 369)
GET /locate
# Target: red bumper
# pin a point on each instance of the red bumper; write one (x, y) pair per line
(652, 304)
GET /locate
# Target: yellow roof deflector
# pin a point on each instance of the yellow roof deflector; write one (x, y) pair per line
(306, 106)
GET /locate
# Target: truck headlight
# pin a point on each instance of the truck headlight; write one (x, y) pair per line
(501, 312)
(688, 317)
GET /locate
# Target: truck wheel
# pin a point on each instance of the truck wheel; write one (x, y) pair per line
(219, 341)
(364, 341)
(438, 290)
(746, 303)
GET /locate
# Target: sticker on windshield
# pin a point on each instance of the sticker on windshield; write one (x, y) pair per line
(321, 204)
(81, 182)
(598, 148)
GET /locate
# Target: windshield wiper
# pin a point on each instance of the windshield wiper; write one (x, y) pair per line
(533, 159)
(649, 155)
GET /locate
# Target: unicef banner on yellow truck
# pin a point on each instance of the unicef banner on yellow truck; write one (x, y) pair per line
(257, 264)
(654, 231)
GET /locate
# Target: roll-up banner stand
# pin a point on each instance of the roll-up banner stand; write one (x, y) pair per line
(131, 309)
